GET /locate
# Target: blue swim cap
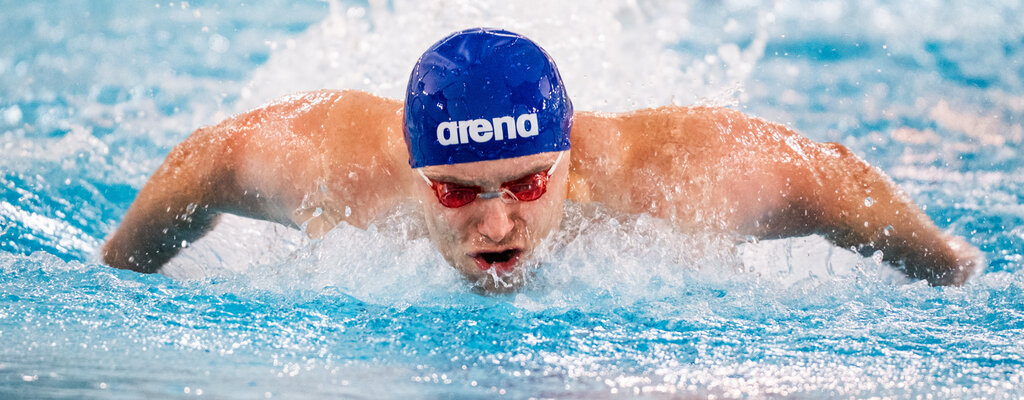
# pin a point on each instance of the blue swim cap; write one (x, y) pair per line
(484, 94)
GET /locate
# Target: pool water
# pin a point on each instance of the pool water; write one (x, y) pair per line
(94, 94)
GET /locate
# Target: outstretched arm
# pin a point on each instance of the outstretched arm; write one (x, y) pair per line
(708, 168)
(311, 160)
(863, 208)
(178, 204)
(855, 205)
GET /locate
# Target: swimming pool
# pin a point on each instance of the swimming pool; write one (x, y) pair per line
(94, 95)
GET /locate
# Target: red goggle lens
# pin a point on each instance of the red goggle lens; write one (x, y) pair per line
(453, 196)
(527, 188)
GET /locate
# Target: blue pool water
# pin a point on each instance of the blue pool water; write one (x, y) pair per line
(93, 95)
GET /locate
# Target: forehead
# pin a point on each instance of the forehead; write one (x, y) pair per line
(491, 171)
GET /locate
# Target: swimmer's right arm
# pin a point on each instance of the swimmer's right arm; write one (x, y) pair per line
(256, 164)
(177, 205)
(310, 161)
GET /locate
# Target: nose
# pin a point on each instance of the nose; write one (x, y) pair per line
(496, 223)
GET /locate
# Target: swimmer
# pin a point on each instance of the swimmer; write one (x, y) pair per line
(488, 143)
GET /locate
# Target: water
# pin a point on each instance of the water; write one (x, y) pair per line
(95, 94)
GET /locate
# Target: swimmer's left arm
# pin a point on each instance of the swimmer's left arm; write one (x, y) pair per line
(714, 168)
(855, 205)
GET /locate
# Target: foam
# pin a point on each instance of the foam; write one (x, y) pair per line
(598, 260)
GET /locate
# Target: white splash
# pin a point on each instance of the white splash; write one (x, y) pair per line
(613, 55)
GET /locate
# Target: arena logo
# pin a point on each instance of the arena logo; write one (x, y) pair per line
(482, 130)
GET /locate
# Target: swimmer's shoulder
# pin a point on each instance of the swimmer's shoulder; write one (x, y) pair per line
(364, 128)
(327, 120)
(330, 98)
(308, 111)
(325, 127)
(703, 135)
(705, 126)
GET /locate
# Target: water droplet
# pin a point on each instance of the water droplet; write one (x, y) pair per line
(868, 202)
(348, 211)
(888, 230)
(184, 244)
(318, 212)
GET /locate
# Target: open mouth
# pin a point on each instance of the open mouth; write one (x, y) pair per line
(503, 261)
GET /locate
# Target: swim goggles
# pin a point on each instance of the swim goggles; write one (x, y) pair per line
(527, 188)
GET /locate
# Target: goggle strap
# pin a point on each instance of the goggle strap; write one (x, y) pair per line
(424, 176)
(553, 166)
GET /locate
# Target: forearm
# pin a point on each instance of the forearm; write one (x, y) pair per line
(925, 253)
(177, 205)
(148, 239)
(907, 238)
(863, 209)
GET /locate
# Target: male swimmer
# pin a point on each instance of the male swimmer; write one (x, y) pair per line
(485, 129)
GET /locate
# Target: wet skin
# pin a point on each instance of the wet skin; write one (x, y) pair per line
(325, 157)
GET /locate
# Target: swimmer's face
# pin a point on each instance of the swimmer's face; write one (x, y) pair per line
(487, 240)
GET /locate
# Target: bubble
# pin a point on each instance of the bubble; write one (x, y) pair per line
(219, 44)
(12, 115)
(868, 202)
(356, 12)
